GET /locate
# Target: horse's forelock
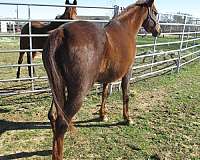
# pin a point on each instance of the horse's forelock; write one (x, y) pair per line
(67, 2)
(141, 2)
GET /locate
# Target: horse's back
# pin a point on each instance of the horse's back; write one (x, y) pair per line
(84, 34)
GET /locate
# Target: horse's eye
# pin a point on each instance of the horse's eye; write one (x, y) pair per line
(155, 13)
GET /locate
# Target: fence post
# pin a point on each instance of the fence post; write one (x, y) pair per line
(110, 88)
(30, 45)
(13, 26)
(154, 51)
(116, 10)
(195, 35)
(181, 45)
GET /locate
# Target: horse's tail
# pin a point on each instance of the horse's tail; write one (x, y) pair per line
(56, 80)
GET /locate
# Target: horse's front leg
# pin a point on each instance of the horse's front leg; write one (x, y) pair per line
(102, 111)
(125, 87)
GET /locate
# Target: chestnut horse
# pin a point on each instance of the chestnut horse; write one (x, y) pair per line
(79, 54)
(41, 28)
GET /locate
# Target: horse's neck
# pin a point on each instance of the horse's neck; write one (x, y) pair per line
(128, 22)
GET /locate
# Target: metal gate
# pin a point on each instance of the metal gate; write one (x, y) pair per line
(178, 45)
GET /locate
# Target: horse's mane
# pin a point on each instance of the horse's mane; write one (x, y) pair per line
(139, 2)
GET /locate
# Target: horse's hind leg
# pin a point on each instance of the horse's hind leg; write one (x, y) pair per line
(58, 121)
(20, 60)
(33, 57)
(125, 86)
(64, 118)
(102, 111)
(74, 102)
(52, 115)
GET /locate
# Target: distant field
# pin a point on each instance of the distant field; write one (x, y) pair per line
(165, 111)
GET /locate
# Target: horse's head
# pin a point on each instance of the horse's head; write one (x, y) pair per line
(70, 11)
(151, 24)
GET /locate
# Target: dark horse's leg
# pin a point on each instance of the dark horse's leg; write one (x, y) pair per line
(20, 60)
(102, 111)
(29, 62)
(125, 86)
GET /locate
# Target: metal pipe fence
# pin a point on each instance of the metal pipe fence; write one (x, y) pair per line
(178, 45)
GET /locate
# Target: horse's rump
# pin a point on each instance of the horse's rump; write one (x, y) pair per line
(82, 51)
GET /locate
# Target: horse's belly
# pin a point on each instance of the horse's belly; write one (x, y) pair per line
(111, 75)
(114, 70)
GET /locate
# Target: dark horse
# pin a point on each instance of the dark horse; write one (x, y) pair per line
(41, 28)
(79, 54)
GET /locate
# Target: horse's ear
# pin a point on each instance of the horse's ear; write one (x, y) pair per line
(67, 2)
(75, 2)
(149, 3)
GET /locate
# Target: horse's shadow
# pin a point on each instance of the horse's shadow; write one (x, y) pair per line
(26, 155)
(9, 125)
(95, 122)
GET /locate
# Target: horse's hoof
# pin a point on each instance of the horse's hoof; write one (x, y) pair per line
(128, 121)
(104, 119)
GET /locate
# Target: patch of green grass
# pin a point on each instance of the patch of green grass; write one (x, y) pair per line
(165, 111)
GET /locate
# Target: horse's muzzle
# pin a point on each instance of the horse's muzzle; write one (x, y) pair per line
(156, 32)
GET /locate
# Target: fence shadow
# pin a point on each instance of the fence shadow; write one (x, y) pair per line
(26, 99)
(4, 110)
(8, 126)
(26, 155)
